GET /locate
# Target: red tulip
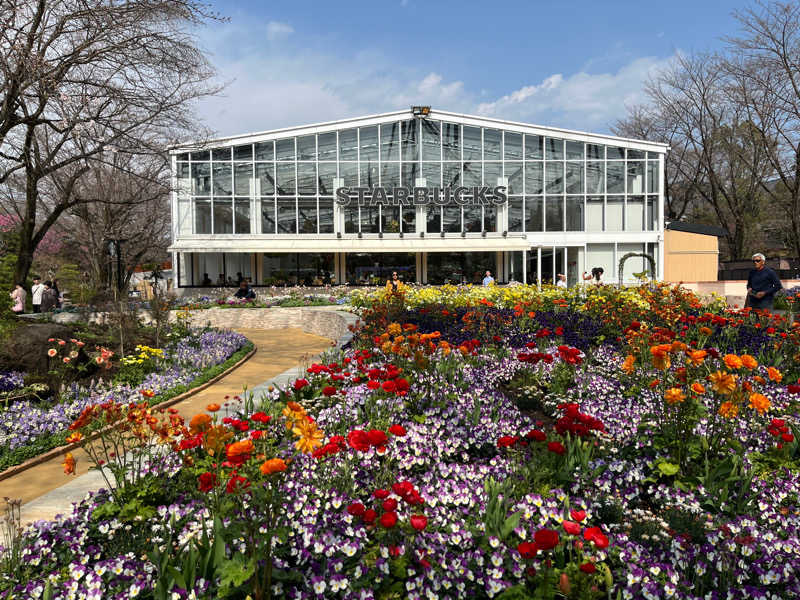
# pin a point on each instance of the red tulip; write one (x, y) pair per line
(418, 522)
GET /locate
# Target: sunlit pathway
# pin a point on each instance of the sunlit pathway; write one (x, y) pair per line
(45, 490)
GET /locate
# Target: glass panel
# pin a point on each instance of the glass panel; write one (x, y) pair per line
(635, 154)
(267, 215)
(327, 173)
(575, 213)
(533, 213)
(410, 140)
(390, 141)
(351, 218)
(613, 153)
(326, 215)
(201, 177)
(327, 145)
(451, 174)
(370, 219)
(472, 218)
(652, 213)
(348, 172)
(554, 219)
(307, 215)
(390, 219)
(243, 152)
(451, 141)
(636, 177)
(265, 173)
(307, 178)
(634, 220)
(307, 147)
(183, 170)
(615, 178)
(243, 173)
(286, 179)
(431, 140)
(595, 177)
(534, 178)
(515, 214)
(223, 216)
(409, 219)
(432, 172)
(390, 174)
(513, 172)
(368, 142)
(554, 149)
(368, 174)
(314, 268)
(202, 215)
(614, 208)
(472, 143)
(222, 154)
(471, 174)
(287, 216)
(459, 267)
(284, 149)
(183, 156)
(490, 218)
(513, 146)
(410, 173)
(201, 155)
(265, 150)
(348, 144)
(574, 178)
(594, 213)
(492, 144)
(533, 147)
(574, 150)
(242, 216)
(554, 176)
(595, 151)
(377, 268)
(451, 219)
(434, 219)
(491, 172)
(223, 179)
(652, 177)
(280, 268)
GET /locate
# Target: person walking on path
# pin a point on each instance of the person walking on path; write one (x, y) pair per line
(18, 296)
(49, 298)
(488, 280)
(762, 284)
(36, 294)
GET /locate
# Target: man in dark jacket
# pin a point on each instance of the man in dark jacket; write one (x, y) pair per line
(245, 291)
(762, 284)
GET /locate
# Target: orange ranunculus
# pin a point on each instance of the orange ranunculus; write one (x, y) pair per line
(774, 374)
(273, 465)
(722, 383)
(732, 361)
(698, 388)
(237, 449)
(69, 464)
(759, 379)
(705, 331)
(213, 407)
(747, 386)
(394, 329)
(215, 438)
(677, 346)
(654, 383)
(748, 361)
(674, 396)
(75, 436)
(294, 413)
(661, 359)
(728, 410)
(696, 357)
(759, 403)
(199, 423)
(627, 366)
(463, 349)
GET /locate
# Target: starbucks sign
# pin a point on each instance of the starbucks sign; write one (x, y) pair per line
(421, 196)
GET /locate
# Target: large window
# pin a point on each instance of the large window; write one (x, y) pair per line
(376, 268)
(461, 267)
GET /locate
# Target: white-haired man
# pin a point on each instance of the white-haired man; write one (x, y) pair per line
(762, 284)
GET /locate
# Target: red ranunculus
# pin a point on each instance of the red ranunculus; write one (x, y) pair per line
(381, 494)
(369, 516)
(389, 386)
(329, 390)
(299, 384)
(356, 509)
(397, 430)
(793, 388)
(418, 522)
(577, 515)
(206, 482)
(236, 483)
(535, 434)
(527, 549)
(506, 441)
(546, 539)
(358, 440)
(389, 519)
(787, 437)
(389, 505)
(571, 527)
(556, 447)
(373, 385)
(588, 568)
(401, 385)
(377, 437)
(596, 535)
(402, 488)
(260, 417)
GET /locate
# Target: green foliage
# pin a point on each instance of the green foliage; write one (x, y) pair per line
(497, 521)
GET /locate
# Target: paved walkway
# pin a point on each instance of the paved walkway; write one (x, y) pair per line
(45, 490)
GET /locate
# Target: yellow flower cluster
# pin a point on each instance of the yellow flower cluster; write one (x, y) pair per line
(144, 353)
(308, 434)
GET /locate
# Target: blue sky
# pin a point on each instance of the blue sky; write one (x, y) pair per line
(571, 64)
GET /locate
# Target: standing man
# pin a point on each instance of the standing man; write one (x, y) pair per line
(562, 281)
(762, 284)
(488, 280)
(36, 294)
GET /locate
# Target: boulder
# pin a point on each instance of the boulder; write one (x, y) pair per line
(66, 318)
(28, 350)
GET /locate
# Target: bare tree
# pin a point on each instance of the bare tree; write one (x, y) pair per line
(81, 76)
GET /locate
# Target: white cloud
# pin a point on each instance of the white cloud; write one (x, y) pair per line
(277, 30)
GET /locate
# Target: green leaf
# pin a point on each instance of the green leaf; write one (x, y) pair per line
(668, 469)
(419, 419)
(509, 525)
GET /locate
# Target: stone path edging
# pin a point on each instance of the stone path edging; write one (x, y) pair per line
(55, 452)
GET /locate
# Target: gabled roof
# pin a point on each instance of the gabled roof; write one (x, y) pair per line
(390, 117)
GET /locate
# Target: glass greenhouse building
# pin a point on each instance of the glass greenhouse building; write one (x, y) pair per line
(436, 196)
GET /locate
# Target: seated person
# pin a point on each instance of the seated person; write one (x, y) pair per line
(206, 280)
(221, 279)
(245, 291)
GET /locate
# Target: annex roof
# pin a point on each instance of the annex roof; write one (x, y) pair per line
(389, 117)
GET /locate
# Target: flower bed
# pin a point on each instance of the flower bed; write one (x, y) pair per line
(466, 452)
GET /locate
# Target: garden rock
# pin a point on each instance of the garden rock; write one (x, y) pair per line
(66, 318)
(29, 350)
